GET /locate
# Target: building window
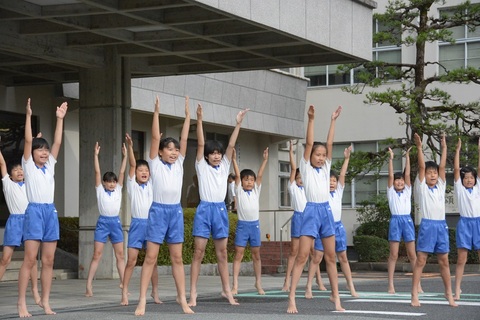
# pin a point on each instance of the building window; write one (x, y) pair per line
(138, 139)
(284, 180)
(464, 52)
(223, 138)
(388, 52)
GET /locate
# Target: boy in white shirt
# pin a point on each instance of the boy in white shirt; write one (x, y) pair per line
(248, 187)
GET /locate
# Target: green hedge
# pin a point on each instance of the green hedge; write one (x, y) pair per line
(371, 248)
(68, 234)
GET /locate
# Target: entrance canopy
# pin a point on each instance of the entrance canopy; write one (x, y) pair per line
(49, 41)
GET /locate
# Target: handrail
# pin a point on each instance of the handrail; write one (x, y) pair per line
(281, 238)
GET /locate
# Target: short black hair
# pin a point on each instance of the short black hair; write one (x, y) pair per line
(248, 173)
(38, 143)
(398, 175)
(297, 173)
(431, 165)
(231, 176)
(333, 174)
(141, 162)
(12, 166)
(110, 176)
(316, 145)
(166, 141)
(211, 146)
(468, 169)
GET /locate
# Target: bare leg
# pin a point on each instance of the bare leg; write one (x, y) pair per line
(330, 261)
(460, 268)
(392, 261)
(199, 252)
(6, 259)
(131, 262)
(257, 268)
(221, 252)
(305, 244)
(417, 273)
(97, 255)
(290, 262)
(445, 273)
(320, 284)
(120, 258)
(147, 269)
(34, 281)
(239, 251)
(179, 275)
(316, 258)
(342, 257)
(48, 256)
(154, 293)
(29, 259)
(412, 257)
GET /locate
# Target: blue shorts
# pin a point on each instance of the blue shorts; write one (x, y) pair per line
(433, 236)
(108, 227)
(296, 224)
(211, 218)
(13, 236)
(137, 233)
(401, 226)
(165, 222)
(318, 245)
(468, 233)
(41, 222)
(248, 231)
(340, 237)
(317, 220)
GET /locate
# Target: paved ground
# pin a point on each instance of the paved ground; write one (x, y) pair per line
(68, 300)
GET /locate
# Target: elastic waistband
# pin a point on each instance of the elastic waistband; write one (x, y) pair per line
(434, 221)
(318, 204)
(297, 212)
(109, 217)
(141, 220)
(164, 205)
(208, 203)
(254, 222)
(469, 218)
(36, 204)
(401, 215)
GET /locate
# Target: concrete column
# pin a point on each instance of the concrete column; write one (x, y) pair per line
(105, 102)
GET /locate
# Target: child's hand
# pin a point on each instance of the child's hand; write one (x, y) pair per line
(311, 112)
(391, 153)
(157, 104)
(265, 154)
(418, 141)
(187, 107)
(28, 110)
(336, 113)
(443, 141)
(347, 152)
(241, 115)
(62, 110)
(129, 140)
(97, 148)
(199, 112)
(124, 149)
(459, 145)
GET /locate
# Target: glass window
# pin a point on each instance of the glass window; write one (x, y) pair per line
(284, 180)
(138, 139)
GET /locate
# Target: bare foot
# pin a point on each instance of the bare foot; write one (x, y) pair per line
(23, 312)
(391, 290)
(308, 293)
(352, 290)
(193, 300)
(183, 303)
(89, 291)
(337, 303)
(259, 289)
(286, 286)
(47, 309)
(420, 290)
(234, 291)
(36, 297)
(457, 295)
(230, 298)
(155, 297)
(140, 311)
(321, 287)
(415, 302)
(450, 300)
(292, 307)
(124, 301)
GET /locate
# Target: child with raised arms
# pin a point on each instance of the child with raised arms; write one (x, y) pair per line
(211, 217)
(399, 195)
(247, 188)
(15, 194)
(430, 185)
(139, 188)
(467, 192)
(109, 199)
(41, 228)
(165, 218)
(317, 216)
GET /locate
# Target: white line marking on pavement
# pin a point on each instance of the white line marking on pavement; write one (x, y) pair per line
(461, 303)
(390, 313)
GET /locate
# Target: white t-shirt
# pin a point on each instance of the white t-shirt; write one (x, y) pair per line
(431, 201)
(212, 182)
(317, 183)
(231, 192)
(468, 203)
(141, 197)
(40, 183)
(297, 196)
(109, 203)
(248, 203)
(15, 195)
(167, 180)
(335, 201)
(400, 203)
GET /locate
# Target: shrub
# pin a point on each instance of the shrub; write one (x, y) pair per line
(68, 234)
(371, 248)
(372, 228)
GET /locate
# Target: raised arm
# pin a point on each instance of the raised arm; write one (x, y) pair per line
(235, 167)
(123, 166)
(234, 136)
(331, 132)
(131, 156)
(456, 161)
(3, 165)
(156, 136)
(309, 137)
(343, 170)
(407, 177)
(185, 128)
(421, 159)
(293, 165)
(27, 148)
(390, 168)
(200, 137)
(98, 177)
(57, 138)
(443, 159)
(262, 167)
